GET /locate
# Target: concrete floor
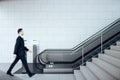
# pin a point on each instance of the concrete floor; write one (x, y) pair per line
(5, 66)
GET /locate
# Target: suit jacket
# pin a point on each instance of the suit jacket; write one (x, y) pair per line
(20, 49)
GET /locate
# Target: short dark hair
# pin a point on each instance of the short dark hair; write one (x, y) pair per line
(19, 30)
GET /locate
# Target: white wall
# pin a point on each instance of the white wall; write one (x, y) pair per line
(54, 23)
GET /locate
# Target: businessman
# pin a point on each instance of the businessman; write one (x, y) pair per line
(20, 52)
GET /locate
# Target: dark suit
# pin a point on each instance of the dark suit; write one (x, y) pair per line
(20, 51)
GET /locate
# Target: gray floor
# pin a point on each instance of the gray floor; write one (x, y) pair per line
(5, 66)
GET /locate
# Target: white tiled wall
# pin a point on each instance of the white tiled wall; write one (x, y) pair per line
(53, 23)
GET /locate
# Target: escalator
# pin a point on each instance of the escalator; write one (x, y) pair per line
(67, 60)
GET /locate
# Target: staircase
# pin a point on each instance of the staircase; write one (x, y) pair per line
(105, 67)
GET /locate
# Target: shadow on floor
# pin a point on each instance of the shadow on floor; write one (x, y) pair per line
(4, 76)
(32, 68)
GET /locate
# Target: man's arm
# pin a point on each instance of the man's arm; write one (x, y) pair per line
(17, 46)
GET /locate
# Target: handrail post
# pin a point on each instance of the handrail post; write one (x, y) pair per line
(101, 37)
(82, 55)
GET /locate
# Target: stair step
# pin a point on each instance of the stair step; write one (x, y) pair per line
(101, 74)
(117, 48)
(58, 70)
(113, 53)
(118, 43)
(78, 75)
(87, 73)
(110, 59)
(111, 69)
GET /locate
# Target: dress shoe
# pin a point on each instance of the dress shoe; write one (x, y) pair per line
(10, 74)
(30, 75)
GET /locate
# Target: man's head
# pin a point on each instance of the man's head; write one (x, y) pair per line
(20, 31)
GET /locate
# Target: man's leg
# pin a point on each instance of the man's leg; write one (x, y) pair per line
(24, 62)
(12, 65)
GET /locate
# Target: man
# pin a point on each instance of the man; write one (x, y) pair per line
(20, 52)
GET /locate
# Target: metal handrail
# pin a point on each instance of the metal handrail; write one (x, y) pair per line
(82, 43)
(97, 33)
(85, 41)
